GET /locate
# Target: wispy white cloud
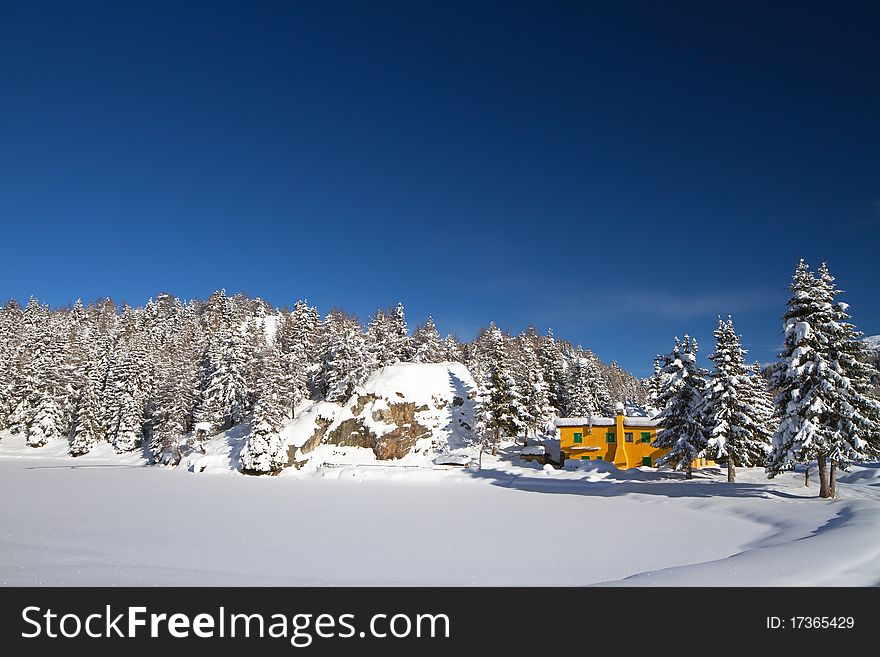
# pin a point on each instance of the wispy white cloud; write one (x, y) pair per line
(665, 305)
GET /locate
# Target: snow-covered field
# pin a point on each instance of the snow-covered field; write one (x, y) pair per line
(105, 519)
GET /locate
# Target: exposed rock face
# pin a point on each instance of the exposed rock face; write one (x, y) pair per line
(397, 443)
(404, 410)
(352, 433)
(394, 444)
(321, 426)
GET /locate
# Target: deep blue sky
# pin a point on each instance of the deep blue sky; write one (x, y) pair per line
(622, 174)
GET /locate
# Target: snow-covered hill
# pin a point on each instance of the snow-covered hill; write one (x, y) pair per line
(407, 413)
(872, 343)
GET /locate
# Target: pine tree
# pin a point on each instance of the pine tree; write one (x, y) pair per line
(553, 371)
(10, 344)
(823, 400)
(536, 408)
(587, 390)
(426, 344)
(681, 403)
(297, 340)
(735, 426)
(452, 350)
(85, 429)
(653, 387)
(225, 395)
(400, 344)
(265, 451)
(343, 365)
(28, 369)
(499, 409)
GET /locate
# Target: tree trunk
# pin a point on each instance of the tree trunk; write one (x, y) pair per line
(731, 466)
(495, 443)
(690, 470)
(807, 475)
(832, 482)
(823, 476)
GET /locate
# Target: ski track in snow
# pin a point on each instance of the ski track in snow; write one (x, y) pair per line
(106, 519)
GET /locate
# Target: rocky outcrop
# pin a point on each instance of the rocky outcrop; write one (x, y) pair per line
(321, 426)
(407, 410)
(394, 444)
(352, 433)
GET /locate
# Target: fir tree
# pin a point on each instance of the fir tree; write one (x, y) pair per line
(499, 408)
(400, 344)
(553, 371)
(85, 429)
(536, 408)
(736, 427)
(653, 387)
(681, 403)
(426, 344)
(452, 350)
(823, 403)
(265, 451)
(343, 365)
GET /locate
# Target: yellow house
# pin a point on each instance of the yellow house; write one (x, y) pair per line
(623, 440)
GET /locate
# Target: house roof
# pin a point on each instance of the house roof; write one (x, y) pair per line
(596, 421)
(599, 421)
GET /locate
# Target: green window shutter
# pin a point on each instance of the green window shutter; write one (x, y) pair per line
(609, 437)
(585, 458)
(646, 436)
(578, 437)
(628, 437)
(599, 458)
(646, 460)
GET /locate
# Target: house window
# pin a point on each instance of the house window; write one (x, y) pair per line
(646, 460)
(578, 437)
(646, 436)
(598, 458)
(585, 458)
(628, 437)
(609, 437)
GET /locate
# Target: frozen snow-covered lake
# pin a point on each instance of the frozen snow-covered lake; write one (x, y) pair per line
(109, 520)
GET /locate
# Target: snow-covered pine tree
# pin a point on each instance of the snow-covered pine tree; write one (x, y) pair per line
(225, 396)
(499, 406)
(735, 426)
(177, 388)
(400, 344)
(124, 397)
(343, 356)
(376, 341)
(264, 450)
(653, 387)
(761, 399)
(297, 340)
(27, 370)
(86, 428)
(553, 371)
(426, 344)
(452, 350)
(581, 402)
(536, 408)
(587, 389)
(825, 412)
(854, 414)
(48, 421)
(681, 403)
(10, 343)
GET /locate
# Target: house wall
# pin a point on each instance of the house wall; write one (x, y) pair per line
(622, 453)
